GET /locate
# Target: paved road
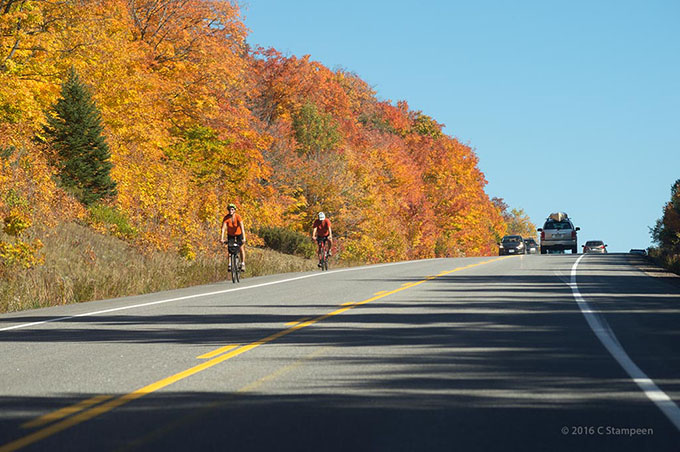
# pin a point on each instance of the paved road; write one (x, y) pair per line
(436, 355)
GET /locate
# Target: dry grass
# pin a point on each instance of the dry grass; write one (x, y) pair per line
(666, 259)
(82, 265)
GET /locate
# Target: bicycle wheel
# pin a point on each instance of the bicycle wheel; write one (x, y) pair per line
(234, 268)
(321, 259)
(325, 255)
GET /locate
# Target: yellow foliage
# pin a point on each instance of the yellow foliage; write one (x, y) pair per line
(187, 251)
(21, 254)
(16, 222)
(194, 122)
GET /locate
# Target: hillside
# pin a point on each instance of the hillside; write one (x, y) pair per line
(195, 119)
(81, 264)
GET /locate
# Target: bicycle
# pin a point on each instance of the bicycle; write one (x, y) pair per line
(234, 259)
(323, 252)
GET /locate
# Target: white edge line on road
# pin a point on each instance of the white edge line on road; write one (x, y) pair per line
(187, 297)
(605, 334)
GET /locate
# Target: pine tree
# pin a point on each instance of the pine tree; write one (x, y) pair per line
(74, 129)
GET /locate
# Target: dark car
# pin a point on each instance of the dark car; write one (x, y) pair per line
(639, 252)
(512, 244)
(531, 246)
(595, 246)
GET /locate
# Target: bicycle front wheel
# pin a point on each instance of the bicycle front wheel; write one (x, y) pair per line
(234, 268)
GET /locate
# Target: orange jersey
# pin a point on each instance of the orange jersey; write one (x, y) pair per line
(233, 224)
(322, 227)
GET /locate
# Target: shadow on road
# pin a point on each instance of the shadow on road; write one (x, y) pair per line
(470, 362)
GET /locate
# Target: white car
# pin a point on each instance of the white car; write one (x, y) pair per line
(595, 246)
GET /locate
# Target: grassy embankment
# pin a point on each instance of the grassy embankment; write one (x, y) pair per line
(667, 260)
(83, 265)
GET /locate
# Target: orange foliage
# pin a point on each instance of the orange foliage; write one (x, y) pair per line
(195, 121)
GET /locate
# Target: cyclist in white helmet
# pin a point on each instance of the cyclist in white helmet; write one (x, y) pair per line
(322, 233)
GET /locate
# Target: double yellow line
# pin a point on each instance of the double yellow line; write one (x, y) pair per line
(95, 406)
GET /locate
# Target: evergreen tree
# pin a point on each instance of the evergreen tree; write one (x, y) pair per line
(74, 129)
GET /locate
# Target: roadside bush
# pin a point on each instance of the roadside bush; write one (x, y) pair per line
(287, 241)
(668, 260)
(105, 218)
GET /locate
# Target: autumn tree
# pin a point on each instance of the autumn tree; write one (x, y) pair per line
(426, 126)
(666, 232)
(210, 160)
(194, 118)
(74, 130)
(520, 224)
(517, 221)
(315, 132)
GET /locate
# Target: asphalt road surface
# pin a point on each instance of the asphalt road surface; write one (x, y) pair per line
(540, 352)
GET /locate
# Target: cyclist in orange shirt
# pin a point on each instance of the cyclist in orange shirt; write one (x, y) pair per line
(232, 224)
(322, 233)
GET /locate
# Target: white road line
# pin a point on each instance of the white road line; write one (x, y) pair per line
(187, 297)
(605, 334)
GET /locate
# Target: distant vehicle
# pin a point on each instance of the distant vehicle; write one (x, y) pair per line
(595, 247)
(531, 246)
(558, 234)
(512, 244)
(638, 252)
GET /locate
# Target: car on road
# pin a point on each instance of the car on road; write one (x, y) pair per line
(531, 246)
(512, 244)
(595, 247)
(639, 252)
(558, 234)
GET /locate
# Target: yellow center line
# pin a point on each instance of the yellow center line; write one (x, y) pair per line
(295, 322)
(160, 384)
(219, 351)
(284, 370)
(65, 412)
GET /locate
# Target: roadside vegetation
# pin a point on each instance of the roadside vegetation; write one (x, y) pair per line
(666, 234)
(83, 265)
(120, 149)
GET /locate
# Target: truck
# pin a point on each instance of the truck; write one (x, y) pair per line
(558, 234)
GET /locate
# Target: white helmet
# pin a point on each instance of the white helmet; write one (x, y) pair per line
(322, 216)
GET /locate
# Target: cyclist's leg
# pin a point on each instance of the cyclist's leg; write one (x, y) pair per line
(242, 251)
(319, 250)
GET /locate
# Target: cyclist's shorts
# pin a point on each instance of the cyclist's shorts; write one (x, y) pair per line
(235, 238)
(322, 239)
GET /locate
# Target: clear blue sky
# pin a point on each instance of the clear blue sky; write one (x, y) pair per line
(570, 106)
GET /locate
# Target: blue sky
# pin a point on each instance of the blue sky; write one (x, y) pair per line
(570, 106)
